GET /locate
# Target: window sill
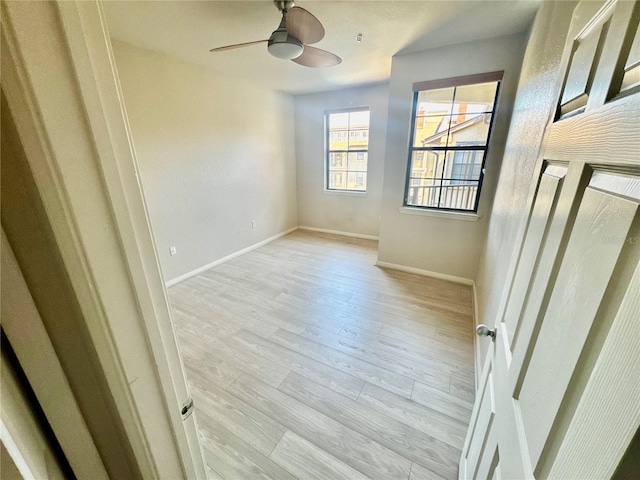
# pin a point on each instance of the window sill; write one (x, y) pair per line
(467, 217)
(344, 192)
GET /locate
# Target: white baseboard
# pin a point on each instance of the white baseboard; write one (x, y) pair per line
(206, 267)
(338, 232)
(426, 273)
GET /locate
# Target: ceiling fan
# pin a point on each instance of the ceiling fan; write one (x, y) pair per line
(290, 41)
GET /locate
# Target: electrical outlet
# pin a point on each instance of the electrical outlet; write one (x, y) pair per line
(253, 224)
(173, 251)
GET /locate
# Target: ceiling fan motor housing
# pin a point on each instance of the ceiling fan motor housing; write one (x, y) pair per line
(284, 4)
(282, 45)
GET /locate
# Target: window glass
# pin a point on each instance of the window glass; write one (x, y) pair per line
(337, 180)
(435, 102)
(427, 164)
(468, 130)
(473, 99)
(347, 149)
(431, 131)
(358, 161)
(450, 137)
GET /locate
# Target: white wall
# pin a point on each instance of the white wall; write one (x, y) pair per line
(534, 99)
(442, 245)
(353, 212)
(214, 154)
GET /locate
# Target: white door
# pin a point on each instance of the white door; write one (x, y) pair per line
(559, 395)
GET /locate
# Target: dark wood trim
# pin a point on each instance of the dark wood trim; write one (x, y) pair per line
(348, 109)
(458, 81)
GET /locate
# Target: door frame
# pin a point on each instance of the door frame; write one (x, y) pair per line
(105, 238)
(46, 376)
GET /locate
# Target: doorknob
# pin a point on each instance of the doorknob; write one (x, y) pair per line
(484, 331)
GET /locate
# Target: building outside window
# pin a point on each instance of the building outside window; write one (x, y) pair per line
(347, 149)
(451, 126)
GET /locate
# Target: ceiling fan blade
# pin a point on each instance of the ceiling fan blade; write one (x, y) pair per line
(304, 26)
(237, 45)
(316, 58)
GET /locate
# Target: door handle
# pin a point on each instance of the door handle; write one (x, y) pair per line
(483, 331)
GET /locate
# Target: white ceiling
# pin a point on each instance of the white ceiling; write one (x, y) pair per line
(188, 29)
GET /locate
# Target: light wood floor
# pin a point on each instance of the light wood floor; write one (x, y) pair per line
(307, 361)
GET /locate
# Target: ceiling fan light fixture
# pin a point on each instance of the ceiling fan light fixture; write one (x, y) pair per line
(284, 46)
(298, 29)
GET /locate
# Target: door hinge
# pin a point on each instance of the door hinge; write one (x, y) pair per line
(187, 408)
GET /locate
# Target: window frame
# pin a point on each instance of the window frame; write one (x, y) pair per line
(449, 83)
(328, 151)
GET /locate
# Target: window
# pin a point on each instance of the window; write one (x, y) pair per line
(347, 149)
(450, 129)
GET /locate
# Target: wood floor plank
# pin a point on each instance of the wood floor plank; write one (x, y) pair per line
(429, 375)
(212, 474)
(442, 327)
(215, 369)
(187, 319)
(232, 306)
(349, 285)
(231, 457)
(379, 310)
(244, 421)
(217, 311)
(212, 367)
(344, 287)
(415, 303)
(289, 315)
(413, 306)
(219, 319)
(360, 281)
(240, 358)
(418, 472)
(302, 286)
(402, 439)
(228, 276)
(307, 461)
(456, 346)
(449, 363)
(349, 364)
(463, 387)
(422, 285)
(449, 404)
(431, 422)
(301, 364)
(349, 446)
(366, 300)
(329, 312)
(459, 350)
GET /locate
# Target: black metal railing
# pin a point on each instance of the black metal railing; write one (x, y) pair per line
(460, 197)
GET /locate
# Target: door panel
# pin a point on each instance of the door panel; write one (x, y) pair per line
(540, 286)
(490, 464)
(609, 399)
(586, 270)
(630, 73)
(512, 442)
(546, 390)
(546, 199)
(481, 420)
(496, 473)
(622, 52)
(582, 66)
